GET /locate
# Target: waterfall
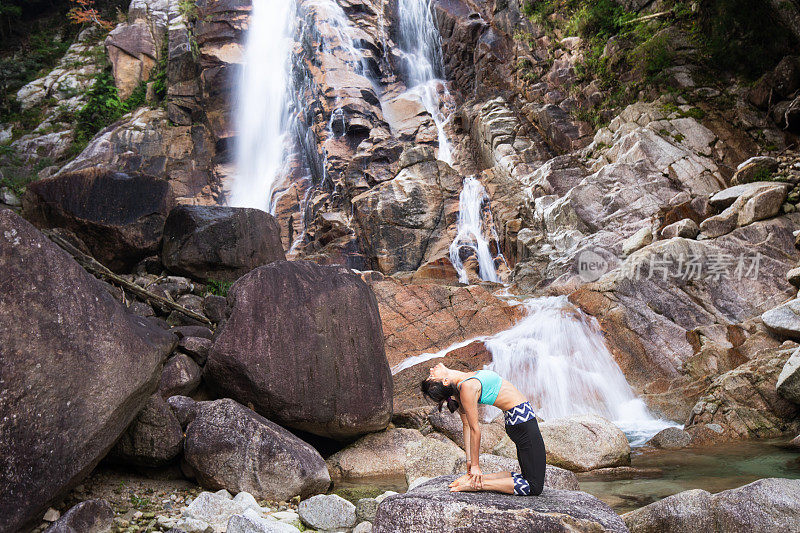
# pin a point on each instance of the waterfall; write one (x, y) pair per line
(471, 231)
(558, 358)
(421, 51)
(262, 115)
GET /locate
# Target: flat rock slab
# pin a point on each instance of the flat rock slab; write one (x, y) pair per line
(725, 198)
(431, 507)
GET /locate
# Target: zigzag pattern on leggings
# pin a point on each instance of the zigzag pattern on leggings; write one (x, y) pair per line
(521, 485)
(519, 414)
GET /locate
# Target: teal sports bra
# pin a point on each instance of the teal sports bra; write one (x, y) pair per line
(490, 385)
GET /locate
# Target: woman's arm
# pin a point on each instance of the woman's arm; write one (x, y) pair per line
(470, 391)
(467, 435)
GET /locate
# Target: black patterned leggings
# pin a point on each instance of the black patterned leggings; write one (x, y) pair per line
(531, 457)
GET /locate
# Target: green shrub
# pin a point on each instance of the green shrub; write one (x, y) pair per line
(219, 288)
(653, 56)
(103, 106)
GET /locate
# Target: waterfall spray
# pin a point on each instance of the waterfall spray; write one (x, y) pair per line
(421, 50)
(471, 232)
(558, 358)
(264, 124)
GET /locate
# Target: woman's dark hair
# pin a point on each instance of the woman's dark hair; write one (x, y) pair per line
(440, 393)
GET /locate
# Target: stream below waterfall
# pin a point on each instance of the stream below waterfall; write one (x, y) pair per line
(717, 468)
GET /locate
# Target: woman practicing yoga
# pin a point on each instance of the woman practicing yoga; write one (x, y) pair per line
(464, 391)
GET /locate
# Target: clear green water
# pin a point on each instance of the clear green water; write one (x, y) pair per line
(717, 468)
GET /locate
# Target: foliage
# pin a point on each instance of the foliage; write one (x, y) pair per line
(85, 12)
(188, 8)
(219, 288)
(139, 502)
(103, 106)
(762, 174)
(741, 36)
(159, 74)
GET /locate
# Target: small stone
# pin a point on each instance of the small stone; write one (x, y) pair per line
(385, 495)
(247, 500)
(671, 439)
(193, 525)
(327, 512)
(8, 197)
(363, 527)
(251, 522)
(366, 509)
(686, 228)
(638, 240)
(196, 347)
(755, 169)
(216, 307)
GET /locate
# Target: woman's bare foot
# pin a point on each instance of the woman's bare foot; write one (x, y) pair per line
(464, 487)
(462, 479)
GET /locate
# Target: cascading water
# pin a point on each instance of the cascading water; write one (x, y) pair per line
(558, 358)
(421, 50)
(471, 232)
(262, 117)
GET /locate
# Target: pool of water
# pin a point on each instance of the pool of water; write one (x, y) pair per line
(717, 468)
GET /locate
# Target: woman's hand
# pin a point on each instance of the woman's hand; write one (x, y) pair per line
(475, 477)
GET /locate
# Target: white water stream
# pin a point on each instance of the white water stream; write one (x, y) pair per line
(262, 119)
(421, 50)
(471, 232)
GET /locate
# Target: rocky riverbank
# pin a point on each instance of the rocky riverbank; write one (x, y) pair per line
(596, 169)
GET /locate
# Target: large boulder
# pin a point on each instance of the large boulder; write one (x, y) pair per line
(220, 243)
(381, 455)
(788, 384)
(119, 217)
(304, 346)
(76, 368)
(579, 443)
(432, 507)
(229, 446)
(91, 516)
(153, 439)
(764, 506)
